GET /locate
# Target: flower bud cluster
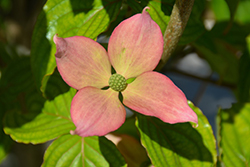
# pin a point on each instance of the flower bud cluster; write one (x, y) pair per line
(117, 82)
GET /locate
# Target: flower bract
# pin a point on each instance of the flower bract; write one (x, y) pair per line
(135, 48)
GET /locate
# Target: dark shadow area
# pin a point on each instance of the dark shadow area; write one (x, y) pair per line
(31, 104)
(110, 152)
(167, 6)
(55, 86)
(5, 140)
(40, 50)
(79, 6)
(24, 155)
(27, 106)
(244, 75)
(182, 139)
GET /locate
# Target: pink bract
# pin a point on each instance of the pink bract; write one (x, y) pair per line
(134, 50)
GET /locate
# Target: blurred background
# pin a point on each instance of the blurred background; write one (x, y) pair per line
(188, 70)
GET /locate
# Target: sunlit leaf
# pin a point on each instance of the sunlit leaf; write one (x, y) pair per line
(221, 10)
(242, 14)
(76, 151)
(178, 144)
(66, 18)
(39, 127)
(234, 133)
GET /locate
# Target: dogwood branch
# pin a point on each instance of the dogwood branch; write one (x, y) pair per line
(177, 23)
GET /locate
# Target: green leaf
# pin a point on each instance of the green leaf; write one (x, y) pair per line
(242, 14)
(221, 49)
(74, 151)
(7, 54)
(178, 144)
(234, 133)
(128, 128)
(55, 86)
(244, 75)
(16, 78)
(195, 27)
(235, 36)
(232, 5)
(15, 82)
(66, 18)
(5, 141)
(221, 10)
(5, 144)
(221, 59)
(39, 127)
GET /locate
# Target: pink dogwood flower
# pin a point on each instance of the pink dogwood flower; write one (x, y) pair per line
(134, 50)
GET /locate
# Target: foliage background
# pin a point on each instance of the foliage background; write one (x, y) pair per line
(28, 81)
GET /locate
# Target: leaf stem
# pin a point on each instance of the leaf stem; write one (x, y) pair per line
(177, 23)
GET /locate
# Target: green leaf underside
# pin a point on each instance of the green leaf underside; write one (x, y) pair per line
(74, 151)
(234, 135)
(178, 144)
(39, 127)
(66, 18)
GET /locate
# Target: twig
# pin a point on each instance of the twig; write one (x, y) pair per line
(177, 23)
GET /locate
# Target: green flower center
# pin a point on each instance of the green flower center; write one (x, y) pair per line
(117, 82)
